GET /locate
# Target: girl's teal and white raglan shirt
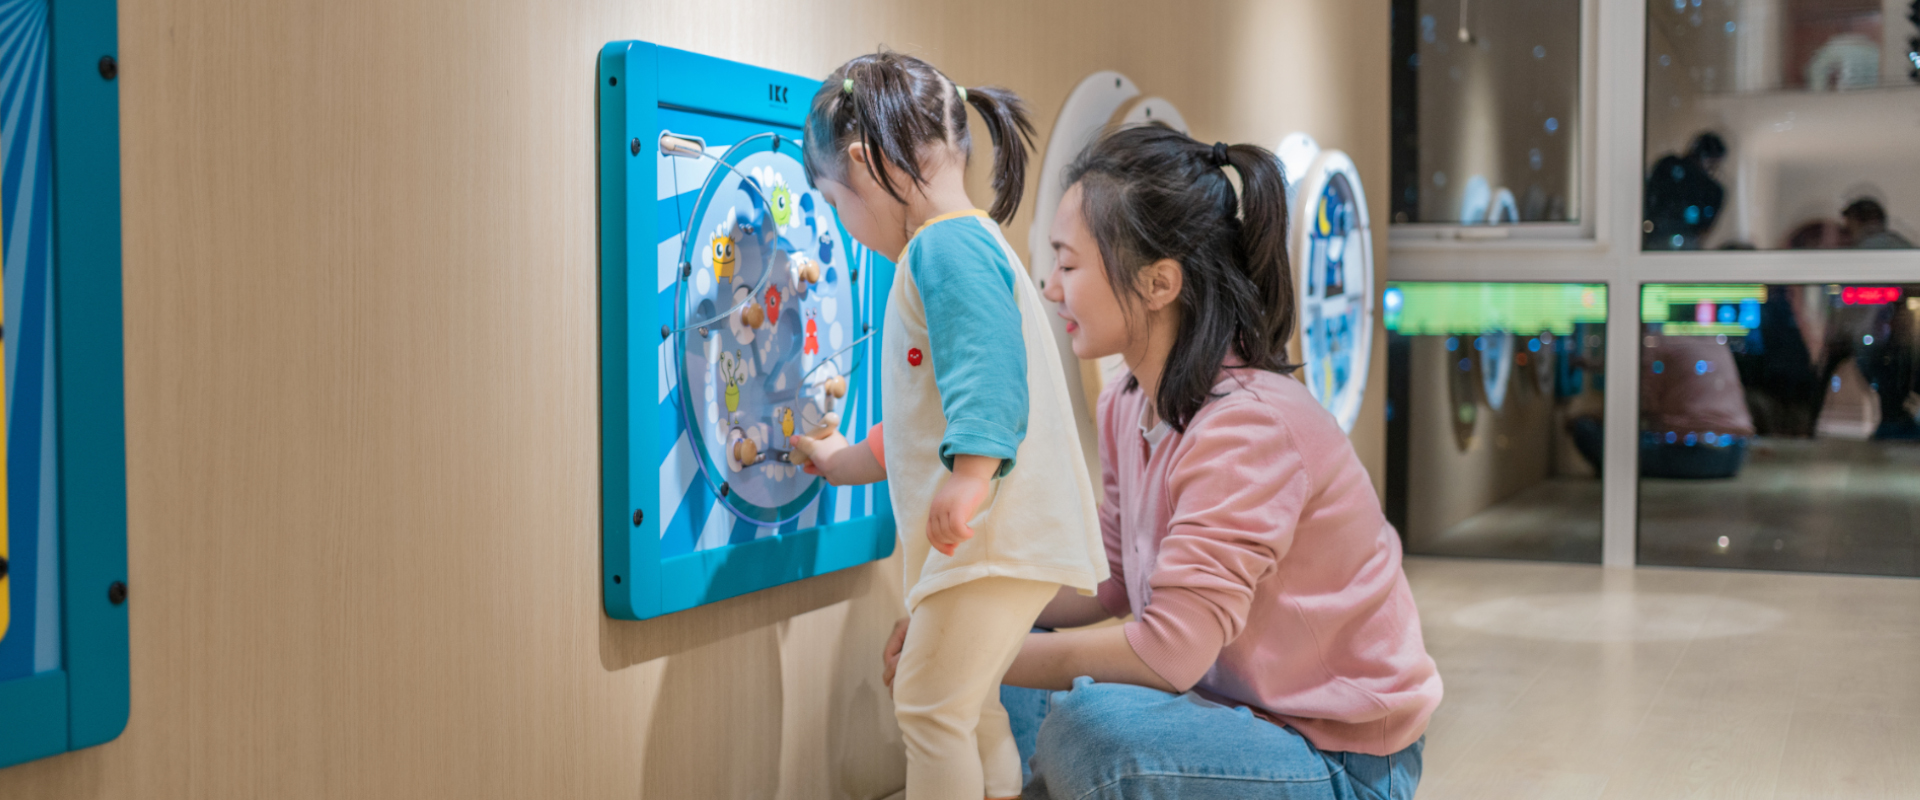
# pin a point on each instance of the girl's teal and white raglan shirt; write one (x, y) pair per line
(969, 367)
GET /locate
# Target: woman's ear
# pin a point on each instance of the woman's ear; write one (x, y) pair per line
(1160, 283)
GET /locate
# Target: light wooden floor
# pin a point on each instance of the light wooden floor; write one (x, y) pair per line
(1568, 681)
(1577, 682)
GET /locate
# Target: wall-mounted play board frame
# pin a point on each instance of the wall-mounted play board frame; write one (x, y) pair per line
(734, 312)
(63, 615)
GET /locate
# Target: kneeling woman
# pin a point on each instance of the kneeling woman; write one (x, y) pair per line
(1275, 650)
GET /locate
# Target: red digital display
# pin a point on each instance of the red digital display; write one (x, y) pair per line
(1869, 295)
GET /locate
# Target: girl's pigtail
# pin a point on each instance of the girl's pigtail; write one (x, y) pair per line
(883, 113)
(1263, 242)
(1012, 133)
(894, 105)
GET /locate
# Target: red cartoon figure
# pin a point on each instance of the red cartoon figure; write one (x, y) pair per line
(773, 304)
(812, 345)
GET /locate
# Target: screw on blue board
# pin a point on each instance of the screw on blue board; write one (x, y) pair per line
(764, 308)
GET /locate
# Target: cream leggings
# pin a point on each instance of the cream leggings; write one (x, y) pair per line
(946, 693)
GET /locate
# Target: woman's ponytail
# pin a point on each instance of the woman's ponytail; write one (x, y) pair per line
(1263, 242)
(1012, 134)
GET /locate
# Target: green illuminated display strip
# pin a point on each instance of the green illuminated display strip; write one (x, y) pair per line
(1440, 308)
(1657, 299)
(1702, 329)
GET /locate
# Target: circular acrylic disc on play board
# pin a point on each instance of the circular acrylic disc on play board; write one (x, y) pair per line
(768, 300)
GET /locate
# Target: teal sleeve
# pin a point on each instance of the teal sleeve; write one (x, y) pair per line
(973, 328)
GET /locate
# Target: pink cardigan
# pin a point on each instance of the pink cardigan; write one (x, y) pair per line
(1260, 569)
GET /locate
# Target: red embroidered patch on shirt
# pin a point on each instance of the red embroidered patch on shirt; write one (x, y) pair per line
(913, 356)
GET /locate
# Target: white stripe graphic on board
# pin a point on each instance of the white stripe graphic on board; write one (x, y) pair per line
(810, 516)
(842, 503)
(718, 530)
(669, 261)
(682, 175)
(676, 474)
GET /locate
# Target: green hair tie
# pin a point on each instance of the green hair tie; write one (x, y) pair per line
(962, 90)
(847, 86)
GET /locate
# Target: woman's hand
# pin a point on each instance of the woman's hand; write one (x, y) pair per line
(890, 655)
(957, 500)
(1070, 609)
(1052, 660)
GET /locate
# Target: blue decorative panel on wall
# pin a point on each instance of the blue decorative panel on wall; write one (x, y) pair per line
(63, 554)
(734, 312)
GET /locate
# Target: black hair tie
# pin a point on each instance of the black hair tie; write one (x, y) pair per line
(1220, 154)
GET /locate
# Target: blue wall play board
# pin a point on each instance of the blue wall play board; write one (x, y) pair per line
(734, 311)
(63, 554)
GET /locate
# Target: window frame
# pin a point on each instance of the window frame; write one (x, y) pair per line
(1614, 87)
(1444, 236)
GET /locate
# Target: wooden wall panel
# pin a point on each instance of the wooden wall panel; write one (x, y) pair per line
(360, 260)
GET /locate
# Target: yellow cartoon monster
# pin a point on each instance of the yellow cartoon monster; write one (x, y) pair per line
(723, 257)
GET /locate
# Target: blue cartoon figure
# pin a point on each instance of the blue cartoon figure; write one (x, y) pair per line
(807, 215)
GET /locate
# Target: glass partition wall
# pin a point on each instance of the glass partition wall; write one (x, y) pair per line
(1487, 122)
(1756, 407)
(1781, 124)
(1777, 427)
(1496, 397)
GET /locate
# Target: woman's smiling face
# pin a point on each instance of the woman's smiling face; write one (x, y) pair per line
(1095, 321)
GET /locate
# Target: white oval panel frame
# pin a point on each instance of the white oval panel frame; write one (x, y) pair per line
(1309, 171)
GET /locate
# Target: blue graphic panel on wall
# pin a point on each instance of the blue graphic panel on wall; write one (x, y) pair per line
(30, 584)
(735, 312)
(1333, 253)
(63, 591)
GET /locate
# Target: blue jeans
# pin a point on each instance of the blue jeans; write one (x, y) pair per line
(1114, 741)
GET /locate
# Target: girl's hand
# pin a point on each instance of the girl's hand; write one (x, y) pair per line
(829, 456)
(957, 500)
(819, 453)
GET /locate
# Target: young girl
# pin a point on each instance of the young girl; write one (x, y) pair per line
(1275, 650)
(994, 506)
